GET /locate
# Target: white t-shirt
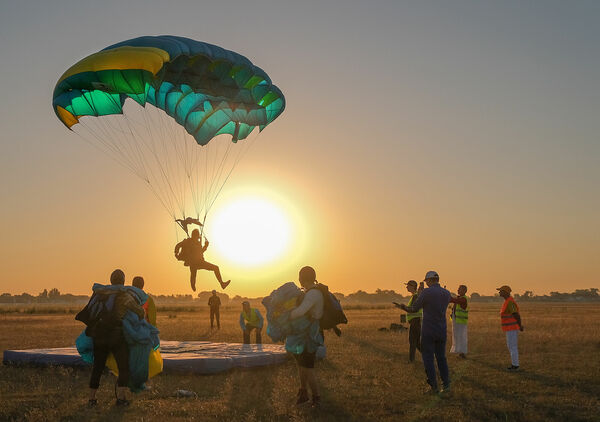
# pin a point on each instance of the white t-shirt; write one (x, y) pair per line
(311, 306)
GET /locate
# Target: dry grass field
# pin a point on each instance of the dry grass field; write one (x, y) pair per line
(366, 376)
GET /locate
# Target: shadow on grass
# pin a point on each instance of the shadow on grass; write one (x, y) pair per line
(547, 380)
(369, 346)
(546, 412)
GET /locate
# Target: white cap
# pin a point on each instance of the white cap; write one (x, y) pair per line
(431, 274)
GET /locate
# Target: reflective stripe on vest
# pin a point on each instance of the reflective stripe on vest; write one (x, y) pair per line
(461, 316)
(251, 319)
(412, 315)
(508, 321)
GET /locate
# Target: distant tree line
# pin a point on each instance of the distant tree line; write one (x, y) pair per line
(359, 297)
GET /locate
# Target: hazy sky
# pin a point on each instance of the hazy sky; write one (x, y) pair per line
(449, 135)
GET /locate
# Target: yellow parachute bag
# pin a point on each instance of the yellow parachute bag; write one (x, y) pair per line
(155, 363)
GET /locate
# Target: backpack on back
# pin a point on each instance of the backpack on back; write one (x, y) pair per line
(98, 314)
(333, 314)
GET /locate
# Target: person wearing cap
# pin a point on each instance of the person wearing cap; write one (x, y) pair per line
(460, 318)
(511, 325)
(434, 302)
(214, 302)
(251, 319)
(414, 321)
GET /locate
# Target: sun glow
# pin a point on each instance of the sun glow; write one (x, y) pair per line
(251, 231)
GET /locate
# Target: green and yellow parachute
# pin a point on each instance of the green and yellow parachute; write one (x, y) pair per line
(140, 101)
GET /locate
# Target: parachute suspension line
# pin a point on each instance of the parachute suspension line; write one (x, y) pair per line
(242, 153)
(137, 139)
(175, 197)
(166, 198)
(110, 129)
(110, 148)
(115, 155)
(215, 177)
(159, 149)
(158, 190)
(178, 158)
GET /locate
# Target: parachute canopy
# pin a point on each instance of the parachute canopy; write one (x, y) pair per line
(208, 90)
(157, 104)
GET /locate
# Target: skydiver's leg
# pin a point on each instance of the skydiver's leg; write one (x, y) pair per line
(212, 267)
(193, 271)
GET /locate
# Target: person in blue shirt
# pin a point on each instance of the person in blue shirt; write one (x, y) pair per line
(251, 319)
(434, 301)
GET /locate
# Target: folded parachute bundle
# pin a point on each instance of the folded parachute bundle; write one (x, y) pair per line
(279, 304)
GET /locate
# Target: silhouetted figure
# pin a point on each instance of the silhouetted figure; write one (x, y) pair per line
(460, 320)
(414, 320)
(191, 252)
(510, 318)
(434, 301)
(149, 306)
(214, 302)
(251, 319)
(311, 306)
(108, 337)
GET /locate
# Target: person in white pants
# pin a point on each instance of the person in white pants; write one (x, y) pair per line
(511, 325)
(460, 319)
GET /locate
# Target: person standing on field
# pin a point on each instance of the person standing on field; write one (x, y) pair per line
(511, 325)
(414, 321)
(460, 319)
(108, 337)
(311, 306)
(149, 306)
(251, 319)
(434, 302)
(214, 302)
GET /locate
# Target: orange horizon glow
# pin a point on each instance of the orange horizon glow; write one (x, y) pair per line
(417, 136)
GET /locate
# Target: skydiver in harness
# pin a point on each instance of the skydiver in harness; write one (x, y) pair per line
(191, 252)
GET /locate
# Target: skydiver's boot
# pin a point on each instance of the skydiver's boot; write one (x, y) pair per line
(223, 284)
(193, 281)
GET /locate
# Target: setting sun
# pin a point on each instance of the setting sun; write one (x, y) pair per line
(250, 231)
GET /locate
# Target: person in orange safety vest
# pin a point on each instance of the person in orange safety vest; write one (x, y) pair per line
(511, 325)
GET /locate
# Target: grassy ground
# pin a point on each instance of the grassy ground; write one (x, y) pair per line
(366, 375)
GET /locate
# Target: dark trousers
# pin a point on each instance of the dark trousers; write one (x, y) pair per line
(214, 313)
(431, 347)
(247, 331)
(102, 347)
(414, 338)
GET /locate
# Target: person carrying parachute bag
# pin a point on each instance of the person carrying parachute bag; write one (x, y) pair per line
(323, 311)
(118, 336)
(333, 314)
